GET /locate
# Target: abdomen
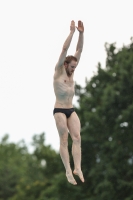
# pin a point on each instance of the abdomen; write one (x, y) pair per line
(63, 92)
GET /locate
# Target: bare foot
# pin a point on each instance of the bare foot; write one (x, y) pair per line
(80, 174)
(70, 178)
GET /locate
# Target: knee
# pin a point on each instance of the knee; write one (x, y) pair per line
(77, 138)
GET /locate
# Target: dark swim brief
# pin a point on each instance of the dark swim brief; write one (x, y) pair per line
(66, 111)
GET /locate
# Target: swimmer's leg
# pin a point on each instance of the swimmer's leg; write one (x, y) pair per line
(61, 123)
(74, 128)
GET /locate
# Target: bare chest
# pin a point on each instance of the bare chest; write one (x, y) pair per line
(67, 82)
(64, 84)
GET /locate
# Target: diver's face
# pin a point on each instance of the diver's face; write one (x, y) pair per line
(70, 68)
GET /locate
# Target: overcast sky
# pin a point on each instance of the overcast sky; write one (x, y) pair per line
(32, 34)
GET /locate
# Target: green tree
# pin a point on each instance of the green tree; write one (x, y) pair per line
(42, 173)
(25, 175)
(11, 166)
(106, 114)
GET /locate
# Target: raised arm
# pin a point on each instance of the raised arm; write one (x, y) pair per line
(66, 46)
(79, 48)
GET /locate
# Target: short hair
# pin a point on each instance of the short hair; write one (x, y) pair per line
(68, 59)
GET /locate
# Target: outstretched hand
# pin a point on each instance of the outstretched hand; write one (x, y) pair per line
(80, 27)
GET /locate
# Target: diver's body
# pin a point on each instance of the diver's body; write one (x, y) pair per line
(65, 117)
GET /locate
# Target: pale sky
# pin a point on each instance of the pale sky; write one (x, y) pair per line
(32, 34)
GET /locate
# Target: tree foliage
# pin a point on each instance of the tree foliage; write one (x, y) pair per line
(106, 113)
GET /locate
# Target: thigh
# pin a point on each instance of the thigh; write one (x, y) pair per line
(74, 127)
(61, 123)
